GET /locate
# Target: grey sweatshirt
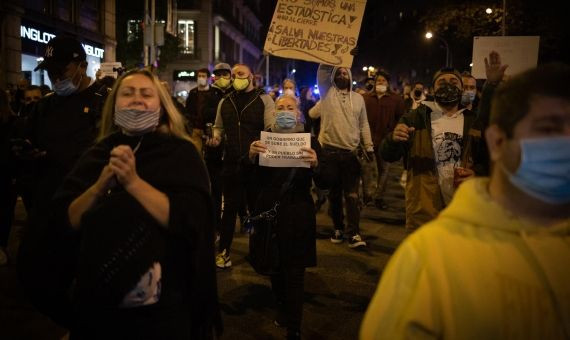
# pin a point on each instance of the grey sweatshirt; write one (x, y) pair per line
(343, 113)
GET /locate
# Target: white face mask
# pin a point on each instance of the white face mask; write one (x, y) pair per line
(289, 92)
(137, 122)
(202, 81)
(381, 88)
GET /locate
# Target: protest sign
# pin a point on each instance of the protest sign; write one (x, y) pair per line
(110, 69)
(520, 53)
(321, 31)
(284, 149)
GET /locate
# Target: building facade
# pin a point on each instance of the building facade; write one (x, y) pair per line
(27, 26)
(212, 31)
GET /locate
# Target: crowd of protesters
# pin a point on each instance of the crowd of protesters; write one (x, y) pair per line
(132, 198)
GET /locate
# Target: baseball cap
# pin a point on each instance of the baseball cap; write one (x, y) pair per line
(61, 51)
(222, 67)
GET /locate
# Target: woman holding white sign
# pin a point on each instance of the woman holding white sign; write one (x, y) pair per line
(296, 223)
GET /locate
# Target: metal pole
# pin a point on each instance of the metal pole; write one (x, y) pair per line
(153, 37)
(267, 70)
(145, 46)
(504, 22)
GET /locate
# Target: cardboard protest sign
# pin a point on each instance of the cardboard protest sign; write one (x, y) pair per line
(284, 149)
(109, 69)
(321, 31)
(520, 53)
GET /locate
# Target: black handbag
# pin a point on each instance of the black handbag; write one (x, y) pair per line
(263, 241)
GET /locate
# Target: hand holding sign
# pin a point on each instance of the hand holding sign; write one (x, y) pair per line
(310, 156)
(256, 148)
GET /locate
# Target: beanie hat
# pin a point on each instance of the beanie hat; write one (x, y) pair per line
(447, 70)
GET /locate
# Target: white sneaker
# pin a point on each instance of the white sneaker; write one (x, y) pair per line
(223, 260)
(356, 241)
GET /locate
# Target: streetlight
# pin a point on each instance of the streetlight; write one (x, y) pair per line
(430, 35)
(503, 19)
(365, 69)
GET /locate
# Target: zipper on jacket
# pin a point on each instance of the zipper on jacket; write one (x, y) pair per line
(239, 114)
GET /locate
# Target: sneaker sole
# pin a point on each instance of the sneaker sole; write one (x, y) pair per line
(225, 265)
(357, 244)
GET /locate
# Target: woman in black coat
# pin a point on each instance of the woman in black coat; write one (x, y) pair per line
(139, 203)
(296, 223)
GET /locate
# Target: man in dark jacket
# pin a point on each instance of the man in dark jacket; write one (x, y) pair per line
(435, 138)
(383, 108)
(241, 116)
(195, 104)
(61, 127)
(221, 87)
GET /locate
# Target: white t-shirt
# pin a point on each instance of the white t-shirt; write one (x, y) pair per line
(447, 138)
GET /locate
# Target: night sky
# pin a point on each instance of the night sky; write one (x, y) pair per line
(392, 37)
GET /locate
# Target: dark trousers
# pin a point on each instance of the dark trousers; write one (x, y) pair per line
(341, 170)
(7, 200)
(237, 186)
(215, 173)
(288, 287)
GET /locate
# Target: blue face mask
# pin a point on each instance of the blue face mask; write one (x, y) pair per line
(66, 86)
(286, 119)
(544, 172)
(467, 97)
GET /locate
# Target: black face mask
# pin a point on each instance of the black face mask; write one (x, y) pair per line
(447, 95)
(369, 87)
(418, 93)
(341, 83)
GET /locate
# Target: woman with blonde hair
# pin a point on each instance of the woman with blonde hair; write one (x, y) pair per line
(140, 202)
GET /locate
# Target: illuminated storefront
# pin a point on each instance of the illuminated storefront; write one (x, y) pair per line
(35, 37)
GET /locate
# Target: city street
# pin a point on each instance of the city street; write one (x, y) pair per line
(337, 291)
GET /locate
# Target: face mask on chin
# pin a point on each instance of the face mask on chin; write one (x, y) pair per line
(66, 86)
(137, 122)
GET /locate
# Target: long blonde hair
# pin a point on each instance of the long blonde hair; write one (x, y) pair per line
(174, 124)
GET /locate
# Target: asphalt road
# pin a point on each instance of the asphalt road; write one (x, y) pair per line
(337, 291)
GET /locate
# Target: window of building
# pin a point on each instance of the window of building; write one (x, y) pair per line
(187, 35)
(89, 14)
(63, 10)
(133, 29)
(42, 6)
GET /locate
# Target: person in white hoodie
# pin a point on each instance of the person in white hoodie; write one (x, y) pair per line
(495, 263)
(344, 126)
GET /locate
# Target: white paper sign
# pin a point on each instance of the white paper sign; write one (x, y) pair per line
(520, 53)
(322, 31)
(284, 149)
(107, 69)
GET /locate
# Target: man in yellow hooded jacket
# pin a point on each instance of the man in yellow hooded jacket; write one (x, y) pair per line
(495, 264)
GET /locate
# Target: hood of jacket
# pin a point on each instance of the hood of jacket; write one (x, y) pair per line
(473, 204)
